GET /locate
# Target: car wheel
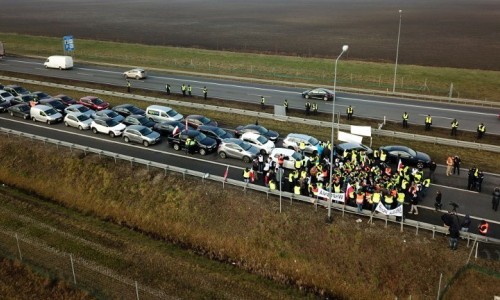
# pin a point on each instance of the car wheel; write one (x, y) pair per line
(112, 134)
(126, 139)
(325, 98)
(11, 114)
(80, 127)
(177, 147)
(125, 76)
(145, 143)
(94, 130)
(263, 152)
(34, 119)
(306, 96)
(203, 151)
(222, 155)
(26, 117)
(48, 122)
(60, 68)
(137, 77)
(246, 159)
(66, 124)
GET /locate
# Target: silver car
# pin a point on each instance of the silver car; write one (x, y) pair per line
(135, 73)
(236, 148)
(141, 134)
(108, 113)
(79, 108)
(293, 140)
(78, 120)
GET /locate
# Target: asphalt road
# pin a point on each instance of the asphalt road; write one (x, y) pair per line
(364, 105)
(473, 203)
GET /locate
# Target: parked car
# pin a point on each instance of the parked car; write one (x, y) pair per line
(293, 140)
(270, 134)
(262, 143)
(318, 93)
(22, 99)
(107, 126)
(135, 73)
(128, 109)
(167, 128)
(198, 120)
(340, 148)
(290, 157)
(67, 100)
(216, 133)
(108, 113)
(6, 96)
(79, 108)
(204, 144)
(141, 134)
(93, 103)
(4, 105)
(46, 114)
(78, 120)
(159, 113)
(20, 110)
(55, 104)
(138, 120)
(40, 95)
(236, 148)
(407, 155)
(16, 90)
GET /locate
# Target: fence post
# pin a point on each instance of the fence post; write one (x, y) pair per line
(433, 231)
(401, 223)
(477, 247)
(439, 287)
(416, 233)
(19, 248)
(137, 290)
(72, 268)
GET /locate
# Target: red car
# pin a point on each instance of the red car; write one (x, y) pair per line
(93, 103)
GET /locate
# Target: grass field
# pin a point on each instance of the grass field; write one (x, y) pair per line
(294, 248)
(475, 84)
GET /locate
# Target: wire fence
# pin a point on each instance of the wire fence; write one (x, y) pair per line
(98, 281)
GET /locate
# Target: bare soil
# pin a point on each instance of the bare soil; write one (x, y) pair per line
(451, 33)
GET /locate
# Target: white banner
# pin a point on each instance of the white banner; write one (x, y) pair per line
(398, 211)
(339, 197)
(350, 138)
(361, 130)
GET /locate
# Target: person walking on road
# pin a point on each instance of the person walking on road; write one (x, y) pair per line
(456, 164)
(349, 112)
(428, 122)
(183, 90)
(405, 119)
(285, 105)
(449, 165)
(496, 198)
(308, 107)
(128, 86)
(167, 88)
(205, 92)
(454, 127)
(262, 102)
(481, 130)
(438, 204)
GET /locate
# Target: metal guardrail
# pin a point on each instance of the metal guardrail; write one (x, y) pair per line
(314, 201)
(380, 132)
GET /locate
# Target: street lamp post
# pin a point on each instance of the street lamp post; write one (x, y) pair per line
(397, 53)
(344, 49)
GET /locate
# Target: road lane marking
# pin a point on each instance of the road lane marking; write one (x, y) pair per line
(437, 117)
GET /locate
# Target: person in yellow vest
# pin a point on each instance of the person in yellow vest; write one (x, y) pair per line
(183, 90)
(296, 188)
(376, 197)
(405, 119)
(246, 175)
(291, 180)
(428, 122)
(349, 112)
(262, 102)
(481, 130)
(426, 183)
(190, 90)
(360, 198)
(298, 164)
(272, 185)
(401, 197)
(383, 156)
(128, 86)
(388, 200)
(302, 147)
(454, 127)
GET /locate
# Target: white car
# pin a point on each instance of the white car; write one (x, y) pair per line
(262, 143)
(78, 120)
(6, 96)
(289, 155)
(135, 73)
(79, 108)
(107, 126)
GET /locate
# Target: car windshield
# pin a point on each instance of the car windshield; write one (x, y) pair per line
(57, 104)
(111, 123)
(204, 120)
(219, 131)
(20, 90)
(83, 118)
(297, 156)
(313, 141)
(134, 110)
(143, 120)
(50, 112)
(65, 98)
(200, 137)
(412, 152)
(3, 100)
(245, 146)
(172, 113)
(24, 108)
(145, 131)
(112, 114)
(42, 95)
(83, 109)
(27, 98)
(262, 139)
(5, 94)
(97, 101)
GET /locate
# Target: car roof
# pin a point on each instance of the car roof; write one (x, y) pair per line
(284, 151)
(76, 113)
(195, 117)
(250, 134)
(159, 107)
(396, 147)
(42, 107)
(233, 140)
(136, 116)
(207, 127)
(89, 97)
(136, 127)
(299, 135)
(135, 69)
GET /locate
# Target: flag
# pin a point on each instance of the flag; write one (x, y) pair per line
(348, 190)
(226, 173)
(176, 131)
(400, 165)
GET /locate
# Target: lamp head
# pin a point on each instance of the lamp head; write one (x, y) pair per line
(345, 48)
(400, 11)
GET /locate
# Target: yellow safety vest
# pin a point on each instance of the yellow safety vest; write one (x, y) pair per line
(388, 199)
(376, 197)
(246, 174)
(428, 120)
(401, 197)
(296, 190)
(383, 156)
(272, 185)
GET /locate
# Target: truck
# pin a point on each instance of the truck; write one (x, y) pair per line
(2, 50)
(60, 62)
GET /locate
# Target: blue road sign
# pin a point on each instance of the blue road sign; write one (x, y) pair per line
(68, 43)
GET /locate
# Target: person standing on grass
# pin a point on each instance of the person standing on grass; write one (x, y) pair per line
(183, 90)
(167, 88)
(454, 127)
(456, 164)
(349, 112)
(428, 122)
(285, 104)
(481, 130)
(128, 86)
(308, 107)
(262, 102)
(190, 90)
(405, 119)
(205, 92)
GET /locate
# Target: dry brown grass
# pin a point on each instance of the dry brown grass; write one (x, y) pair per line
(345, 259)
(19, 282)
(474, 284)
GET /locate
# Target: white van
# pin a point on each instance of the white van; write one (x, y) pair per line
(46, 114)
(60, 62)
(159, 113)
(289, 155)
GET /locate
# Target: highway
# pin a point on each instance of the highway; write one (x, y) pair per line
(364, 105)
(473, 203)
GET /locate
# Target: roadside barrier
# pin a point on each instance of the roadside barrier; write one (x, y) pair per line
(375, 131)
(316, 202)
